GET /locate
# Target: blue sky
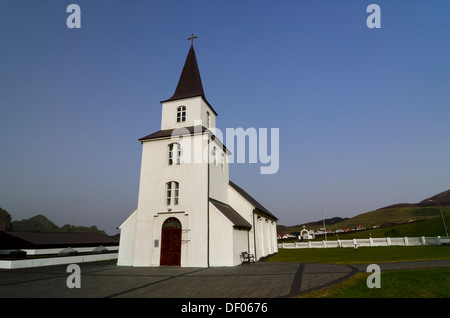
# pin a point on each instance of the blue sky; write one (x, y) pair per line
(363, 113)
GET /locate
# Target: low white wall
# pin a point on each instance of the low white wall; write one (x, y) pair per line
(49, 251)
(388, 241)
(48, 261)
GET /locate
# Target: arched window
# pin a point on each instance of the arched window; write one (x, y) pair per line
(172, 191)
(222, 160)
(174, 154)
(172, 223)
(208, 119)
(181, 114)
(213, 155)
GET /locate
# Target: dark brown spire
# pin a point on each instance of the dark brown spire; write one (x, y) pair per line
(190, 83)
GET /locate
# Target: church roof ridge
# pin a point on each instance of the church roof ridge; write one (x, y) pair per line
(231, 214)
(258, 206)
(179, 131)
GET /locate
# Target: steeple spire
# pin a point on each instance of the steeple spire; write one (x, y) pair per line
(190, 83)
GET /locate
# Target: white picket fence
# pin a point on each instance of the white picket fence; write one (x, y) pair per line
(355, 243)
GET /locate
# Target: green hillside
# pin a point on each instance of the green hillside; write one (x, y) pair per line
(430, 227)
(426, 221)
(392, 216)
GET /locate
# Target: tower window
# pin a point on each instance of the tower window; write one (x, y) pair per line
(172, 189)
(213, 155)
(208, 119)
(181, 114)
(174, 154)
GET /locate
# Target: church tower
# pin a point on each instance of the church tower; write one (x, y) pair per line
(171, 225)
(187, 211)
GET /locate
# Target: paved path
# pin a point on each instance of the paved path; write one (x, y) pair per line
(258, 280)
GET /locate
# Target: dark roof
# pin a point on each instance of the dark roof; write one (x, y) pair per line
(190, 83)
(231, 214)
(31, 240)
(175, 132)
(258, 206)
(180, 132)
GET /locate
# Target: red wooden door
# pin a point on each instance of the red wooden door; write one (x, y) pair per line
(171, 242)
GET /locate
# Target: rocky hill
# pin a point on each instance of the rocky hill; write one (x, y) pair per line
(5, 220)
(40, 223)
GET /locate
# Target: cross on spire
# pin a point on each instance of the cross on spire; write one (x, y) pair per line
(192, 39)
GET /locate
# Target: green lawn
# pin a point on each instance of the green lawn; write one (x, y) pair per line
(421, 283)
(364, 255)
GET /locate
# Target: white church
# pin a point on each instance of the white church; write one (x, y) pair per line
(189, 213)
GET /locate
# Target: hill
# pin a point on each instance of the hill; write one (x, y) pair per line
(310, 226)
(390, 215)
(40, 223)
(443, 198)
(428, 228)
(5, 220)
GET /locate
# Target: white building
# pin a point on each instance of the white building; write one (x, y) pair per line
(188, 212)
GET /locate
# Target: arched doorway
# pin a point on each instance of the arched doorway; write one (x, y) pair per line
(171, 242)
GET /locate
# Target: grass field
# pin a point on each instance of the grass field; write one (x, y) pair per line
(421, 283)
(364, 255)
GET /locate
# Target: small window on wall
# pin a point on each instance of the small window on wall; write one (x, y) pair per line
(181, 114)
(208, 119)
(213, 155)
(174, 154)
(222, 161)
(172, 189)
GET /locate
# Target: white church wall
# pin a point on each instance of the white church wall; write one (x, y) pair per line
(126, 243)
(263, 235)
(240, 244)
(143, 240)
(204, 110)
(218, 175)
(221, 239)
(259, 236)
(192, 180)
(265, 224)
(266, 233)
(273, 236)
(245, 209)
(196, 109)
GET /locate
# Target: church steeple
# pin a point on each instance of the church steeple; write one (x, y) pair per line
(190, 83)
